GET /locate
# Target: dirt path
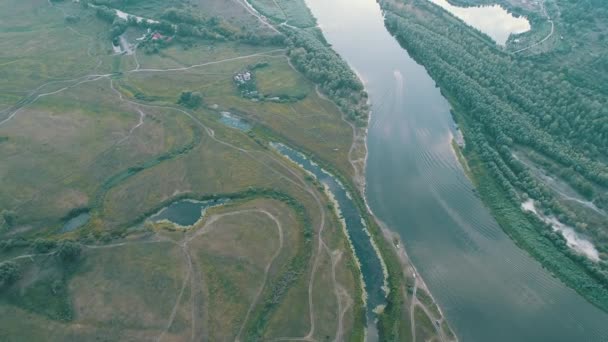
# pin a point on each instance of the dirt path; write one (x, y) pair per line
(544, 10)
(266, 270)
(412, 308)
(28, 256)
(300, 184)
(180, 294)
(33, 98)
(245, 4)
(266, 53)
(185, 246)
(299, 181)
(142, 114)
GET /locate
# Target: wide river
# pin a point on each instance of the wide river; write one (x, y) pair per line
(489, 289)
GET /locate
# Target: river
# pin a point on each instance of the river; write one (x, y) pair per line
(489, 289)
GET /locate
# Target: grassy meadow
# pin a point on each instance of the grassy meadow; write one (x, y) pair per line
(84, 129)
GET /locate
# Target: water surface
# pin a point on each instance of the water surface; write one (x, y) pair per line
(492, 20)
(371, 266)
(489, 289)
(185, 213)
(76, 222)
(233, 121)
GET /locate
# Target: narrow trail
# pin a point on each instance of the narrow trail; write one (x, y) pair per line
(32, 99)
(11, 62)
(282, 11)
(94, 77)
(336, 256)
(544, 10)
(321, 245)
(185, 246)
(129, 243)
(142, 114)
(436, 321)
(412, 308)
(303, 185)
(27, 256)
(180, 294)
(266, 53)
(358, 140)
(266, 270)
(245, 4)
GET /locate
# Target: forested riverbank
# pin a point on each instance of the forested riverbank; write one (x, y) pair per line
(506, 104)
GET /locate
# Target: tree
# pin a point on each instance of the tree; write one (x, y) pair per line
(69, 251)
(106, 14)
(9, 217)
(9, 273)
(190, 99)
(43, 246)
(72, 19)
(119, 26)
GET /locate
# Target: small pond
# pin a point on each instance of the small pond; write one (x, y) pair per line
(76, 222)
(492, 20)
(232, 121)
(186, 212)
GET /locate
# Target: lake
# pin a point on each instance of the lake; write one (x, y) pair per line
(76, 222)
(489, 289)
(185, 213)
(492, 20)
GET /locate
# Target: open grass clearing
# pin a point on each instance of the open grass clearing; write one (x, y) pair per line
(65, 151)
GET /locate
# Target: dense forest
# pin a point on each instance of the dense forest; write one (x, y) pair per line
(509, 103)
(322, 65)
(582, 25)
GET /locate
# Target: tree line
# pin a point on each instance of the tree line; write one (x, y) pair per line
(510, 102)
(326, 68)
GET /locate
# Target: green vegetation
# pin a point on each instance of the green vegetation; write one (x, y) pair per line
(426, 299)
(294, 13)
(69, 251)
(8, 218)
(120, 136)
(43, 246)
(190, 99)
(183, 25)
(327, 69)
(508, 103)
(9, 273)
(425, 329)
(137, 151)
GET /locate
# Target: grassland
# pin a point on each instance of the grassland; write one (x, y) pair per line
(294, 13)
(110, 139)
(107, 137)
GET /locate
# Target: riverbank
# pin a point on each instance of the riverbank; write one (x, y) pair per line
(500, 184)
(401, 274)
(527, 231)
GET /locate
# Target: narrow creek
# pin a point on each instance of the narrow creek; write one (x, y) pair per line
(365, 252)
(489, 289)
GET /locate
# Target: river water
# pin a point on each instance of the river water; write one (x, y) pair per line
(367, 257)
(489, 289)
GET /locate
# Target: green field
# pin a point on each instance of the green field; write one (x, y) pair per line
(88, 127)
(107, 137)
